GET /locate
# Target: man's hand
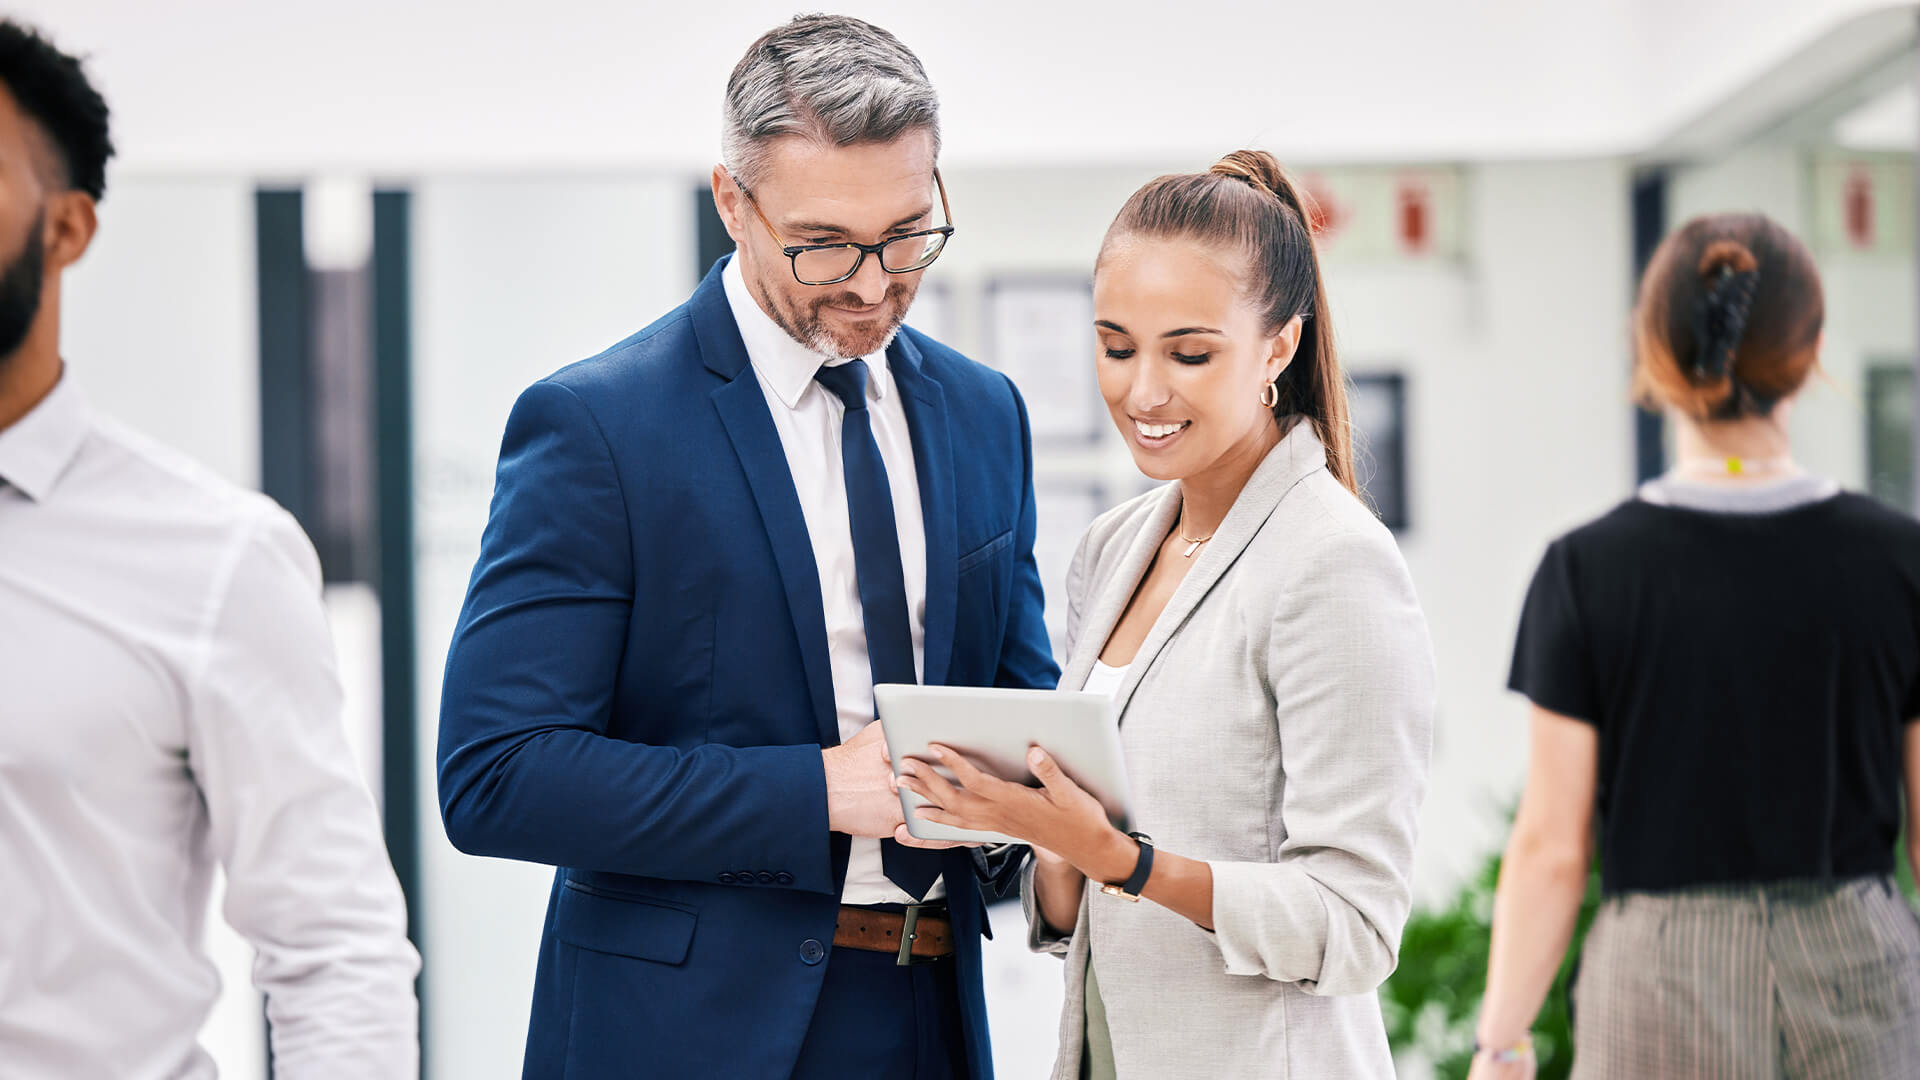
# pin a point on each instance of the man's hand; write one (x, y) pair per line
(907, 839)
(861, 800)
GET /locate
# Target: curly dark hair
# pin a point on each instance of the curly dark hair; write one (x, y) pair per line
(51, 87)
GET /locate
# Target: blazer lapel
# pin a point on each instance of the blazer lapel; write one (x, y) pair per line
(743, 412)
(925, 404)
(1297, 455)
(1111, 596)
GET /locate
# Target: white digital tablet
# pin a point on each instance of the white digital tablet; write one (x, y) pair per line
(994, 728)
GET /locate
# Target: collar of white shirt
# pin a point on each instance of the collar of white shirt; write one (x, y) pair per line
(40, 445)
(787, 366)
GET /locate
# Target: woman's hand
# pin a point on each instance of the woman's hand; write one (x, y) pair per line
(1060, 820)
(1485, 1068)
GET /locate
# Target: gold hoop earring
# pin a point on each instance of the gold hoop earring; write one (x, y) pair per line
(1270, 394)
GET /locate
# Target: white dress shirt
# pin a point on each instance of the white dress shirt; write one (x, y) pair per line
(169, 700)
(808, 417)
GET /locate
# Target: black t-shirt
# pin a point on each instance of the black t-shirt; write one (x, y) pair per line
(1751, 677)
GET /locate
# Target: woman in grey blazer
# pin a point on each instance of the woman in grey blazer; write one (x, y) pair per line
(1257, 628)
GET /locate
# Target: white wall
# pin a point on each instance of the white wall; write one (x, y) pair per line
(160, 320)
(512, 280)
(1520, 428)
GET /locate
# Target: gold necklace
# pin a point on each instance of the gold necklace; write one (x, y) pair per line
(1193, 542)
(1736, 466)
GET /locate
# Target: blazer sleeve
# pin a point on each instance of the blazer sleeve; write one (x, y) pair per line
(526, 767)
(1350, 667)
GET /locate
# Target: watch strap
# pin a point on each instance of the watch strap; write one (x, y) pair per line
(1142, 870)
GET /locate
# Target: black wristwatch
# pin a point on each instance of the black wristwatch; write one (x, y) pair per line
(1142, 870)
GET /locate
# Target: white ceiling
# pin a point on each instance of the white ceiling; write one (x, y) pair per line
(1890, 121)
(394, 87)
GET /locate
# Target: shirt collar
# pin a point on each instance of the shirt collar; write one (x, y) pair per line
(783, 363)
(37, 449)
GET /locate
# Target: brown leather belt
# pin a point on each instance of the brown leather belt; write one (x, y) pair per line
(914, 935)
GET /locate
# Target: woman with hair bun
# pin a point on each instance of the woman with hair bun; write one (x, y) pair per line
(1725, 675)
(1258, 631)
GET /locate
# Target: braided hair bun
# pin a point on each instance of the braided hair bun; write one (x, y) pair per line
(1729, 317)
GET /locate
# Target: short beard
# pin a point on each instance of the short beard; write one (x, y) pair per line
(20, 286)
(807, 327)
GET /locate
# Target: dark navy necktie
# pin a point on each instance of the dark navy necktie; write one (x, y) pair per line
(883, 585)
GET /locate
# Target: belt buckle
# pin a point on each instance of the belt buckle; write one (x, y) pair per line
(907, 936)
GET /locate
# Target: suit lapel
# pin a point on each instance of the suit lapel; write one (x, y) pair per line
(1297, 455)
(743, 412)
(925, 404)
(1111, 596)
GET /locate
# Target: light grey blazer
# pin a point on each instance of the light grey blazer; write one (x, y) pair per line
(1277, 723)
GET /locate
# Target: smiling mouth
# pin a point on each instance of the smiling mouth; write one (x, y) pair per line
(1158, 433)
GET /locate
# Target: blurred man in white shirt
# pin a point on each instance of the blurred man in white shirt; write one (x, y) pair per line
(168, 702)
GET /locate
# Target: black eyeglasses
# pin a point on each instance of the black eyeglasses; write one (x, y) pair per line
(831, 264)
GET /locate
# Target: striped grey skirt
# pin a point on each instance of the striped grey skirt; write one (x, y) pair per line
(1794, 979)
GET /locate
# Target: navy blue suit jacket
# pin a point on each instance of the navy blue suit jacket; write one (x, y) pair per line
(638, 689)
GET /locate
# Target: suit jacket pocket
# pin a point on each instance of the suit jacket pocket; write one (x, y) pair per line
(986, 551)
(645, 929)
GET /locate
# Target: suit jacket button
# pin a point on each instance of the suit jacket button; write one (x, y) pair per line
(783, 878)
(812, 952)
(726, 879)
(765, 878)
(744, 877)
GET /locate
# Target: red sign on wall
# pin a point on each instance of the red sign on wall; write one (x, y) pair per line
(1325, 213)
(1413, 216)
(1857, 207)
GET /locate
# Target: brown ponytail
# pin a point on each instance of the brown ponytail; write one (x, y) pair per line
(1246, 200)
(1728, 321)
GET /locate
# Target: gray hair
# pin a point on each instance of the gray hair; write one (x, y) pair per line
(830, 78)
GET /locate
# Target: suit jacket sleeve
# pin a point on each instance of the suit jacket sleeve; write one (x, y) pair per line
(527, 768)
(1351, 671)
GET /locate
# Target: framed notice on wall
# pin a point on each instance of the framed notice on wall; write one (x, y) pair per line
(1039, 331)
(1890, 422)
(1378, 408)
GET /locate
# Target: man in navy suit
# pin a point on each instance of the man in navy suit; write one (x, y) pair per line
(707, 544)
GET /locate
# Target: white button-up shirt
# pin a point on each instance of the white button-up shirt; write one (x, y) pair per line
(169, 700)
(808, 418)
